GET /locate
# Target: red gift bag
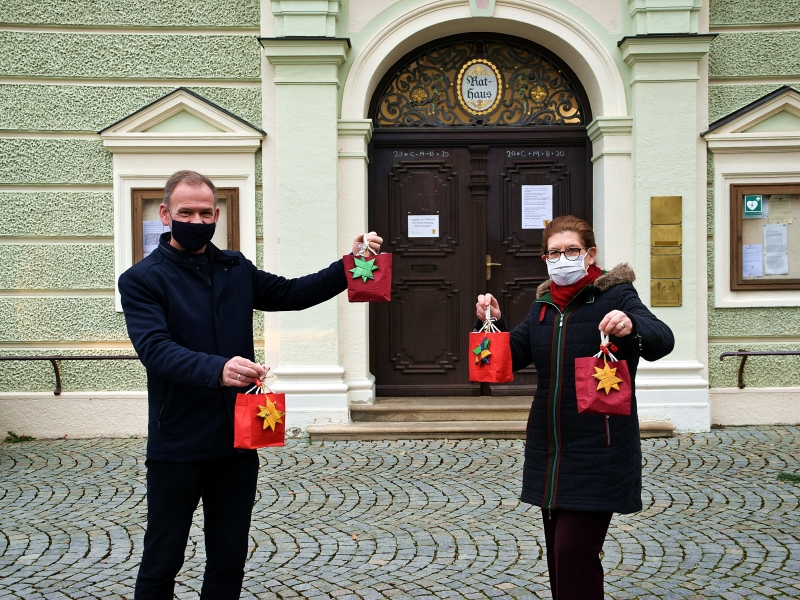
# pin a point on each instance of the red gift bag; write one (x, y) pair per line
(490, 354)
(369, 280)
(603, 383)
(258, 419)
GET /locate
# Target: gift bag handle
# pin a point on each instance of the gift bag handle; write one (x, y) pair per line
(606, 349)
(364, 246)
(260, 386)
(488, 322)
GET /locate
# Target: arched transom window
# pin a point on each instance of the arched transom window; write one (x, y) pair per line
(478, 83)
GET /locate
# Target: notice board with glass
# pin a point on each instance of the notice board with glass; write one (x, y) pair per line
(765, 237)
(147, 227)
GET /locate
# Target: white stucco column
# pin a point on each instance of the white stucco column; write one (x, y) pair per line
(667, 162)
(354, 137)
(613, 210)
(305, 156)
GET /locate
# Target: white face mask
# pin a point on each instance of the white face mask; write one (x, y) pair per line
(566, 272)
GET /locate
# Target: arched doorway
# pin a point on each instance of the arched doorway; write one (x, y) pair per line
(450, 162)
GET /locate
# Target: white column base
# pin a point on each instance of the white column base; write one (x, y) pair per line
(44, 415)
(755, 406)
(674, 391)
(361, 391)
(315, 394)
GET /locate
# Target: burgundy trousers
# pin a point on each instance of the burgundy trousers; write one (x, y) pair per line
(574, 540)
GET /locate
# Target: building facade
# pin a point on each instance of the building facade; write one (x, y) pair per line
(653, 119)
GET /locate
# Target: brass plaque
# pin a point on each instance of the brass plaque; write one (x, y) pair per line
(662, 250)
(665, 210)
(665, 292)
(665, 235)
(665, 266)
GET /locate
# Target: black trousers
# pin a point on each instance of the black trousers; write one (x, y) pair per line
(574, 540)
(227, 487)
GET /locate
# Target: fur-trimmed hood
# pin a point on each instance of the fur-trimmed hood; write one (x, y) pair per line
(622, 273)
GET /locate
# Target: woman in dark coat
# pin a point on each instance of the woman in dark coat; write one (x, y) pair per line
(580, 468)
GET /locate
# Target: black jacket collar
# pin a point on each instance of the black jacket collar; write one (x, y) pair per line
(212, 254)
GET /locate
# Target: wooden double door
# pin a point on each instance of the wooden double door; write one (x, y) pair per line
(469, 185)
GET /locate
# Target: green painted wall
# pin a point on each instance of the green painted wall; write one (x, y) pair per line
(748, 12)
(55, 214)
(94, 56)
(56, 291)
(141, 13)
(90, 108)
(767, 53)
(736, 61)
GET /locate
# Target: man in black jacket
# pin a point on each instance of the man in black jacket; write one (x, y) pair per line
(189, 312)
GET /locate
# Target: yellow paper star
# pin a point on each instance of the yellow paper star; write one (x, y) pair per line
(607, 378)
(271, 415)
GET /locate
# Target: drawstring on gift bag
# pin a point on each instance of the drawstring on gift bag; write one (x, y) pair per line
(269, 412)
(482, 352)
(260, 386)
(606, 349)
(364, 247)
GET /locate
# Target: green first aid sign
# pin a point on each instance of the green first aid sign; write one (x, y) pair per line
(753, 206)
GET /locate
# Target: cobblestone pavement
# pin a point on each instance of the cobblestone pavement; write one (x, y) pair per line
(432, 519)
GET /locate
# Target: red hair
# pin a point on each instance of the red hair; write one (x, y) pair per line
(569, 223)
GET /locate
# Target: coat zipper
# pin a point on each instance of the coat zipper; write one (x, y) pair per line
(164, 404)
(608, 432)
(554, 406)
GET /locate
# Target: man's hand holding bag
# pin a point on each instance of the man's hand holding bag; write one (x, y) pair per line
(258, 418)
(368, 279)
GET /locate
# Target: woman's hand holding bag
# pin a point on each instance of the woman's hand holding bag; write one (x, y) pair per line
(603, 383)
(490, 353)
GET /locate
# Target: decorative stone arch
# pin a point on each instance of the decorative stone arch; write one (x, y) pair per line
(574, 44)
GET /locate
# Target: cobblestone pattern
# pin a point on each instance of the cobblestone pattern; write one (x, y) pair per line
(434, 519)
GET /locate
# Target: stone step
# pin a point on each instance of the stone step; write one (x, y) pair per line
(456, 430)
(478, 408)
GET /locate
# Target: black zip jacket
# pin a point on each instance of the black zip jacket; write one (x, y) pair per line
(580, 461)
(187, 315)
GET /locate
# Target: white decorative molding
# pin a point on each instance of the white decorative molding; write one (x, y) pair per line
(144, 158)
(305, 17)
(665, 16)
(585, 53)
(131, 134)
(319, 51)
(482, 8)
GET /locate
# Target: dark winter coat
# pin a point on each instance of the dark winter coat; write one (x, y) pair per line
(581, 461)
(187, 315)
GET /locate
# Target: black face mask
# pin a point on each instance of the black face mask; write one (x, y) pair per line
(192, 236)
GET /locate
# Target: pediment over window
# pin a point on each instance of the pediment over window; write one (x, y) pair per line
(770, 123)
(182, 121)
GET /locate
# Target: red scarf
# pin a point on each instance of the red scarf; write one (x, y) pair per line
(562, 294)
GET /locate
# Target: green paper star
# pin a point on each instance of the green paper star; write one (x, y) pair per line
(364, 269)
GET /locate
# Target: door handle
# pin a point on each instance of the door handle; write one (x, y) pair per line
(489, 265)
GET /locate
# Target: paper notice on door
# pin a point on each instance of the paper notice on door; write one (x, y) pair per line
(537, 206)
(776, 250)
(151, 232)
(780, 210)
(752, 261)
(422, 226)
